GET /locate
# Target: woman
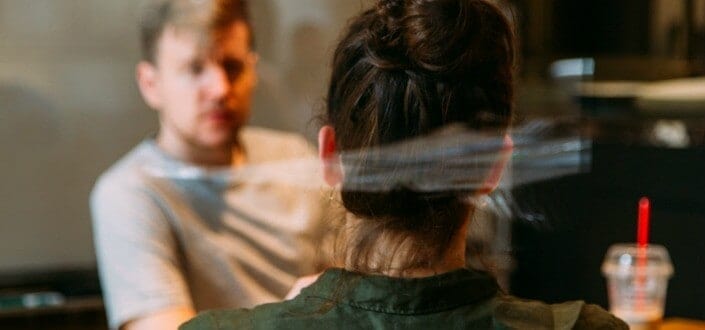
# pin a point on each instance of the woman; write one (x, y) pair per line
(403, 70)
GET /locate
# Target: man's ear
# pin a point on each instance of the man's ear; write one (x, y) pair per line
(495, 174)
(147, 81)
(328, 154)
(254, 63)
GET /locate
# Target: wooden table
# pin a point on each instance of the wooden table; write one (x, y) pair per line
(682, 324)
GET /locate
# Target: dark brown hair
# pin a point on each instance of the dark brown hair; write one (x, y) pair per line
(404, 69)
(204, 16)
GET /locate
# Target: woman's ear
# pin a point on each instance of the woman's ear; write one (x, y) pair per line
(495, 174)
(328, 154)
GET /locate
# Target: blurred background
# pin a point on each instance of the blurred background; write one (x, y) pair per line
(69, 107)
(629, 71)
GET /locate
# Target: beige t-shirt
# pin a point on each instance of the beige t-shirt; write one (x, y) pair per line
(167, 236)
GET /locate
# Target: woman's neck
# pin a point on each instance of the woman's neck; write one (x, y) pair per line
(389, 256)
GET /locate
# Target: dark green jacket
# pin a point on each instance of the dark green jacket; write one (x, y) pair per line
(462, 299)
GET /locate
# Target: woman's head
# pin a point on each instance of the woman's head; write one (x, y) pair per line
(404, 69)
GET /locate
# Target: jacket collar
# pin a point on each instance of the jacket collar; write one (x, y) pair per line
(403, 295)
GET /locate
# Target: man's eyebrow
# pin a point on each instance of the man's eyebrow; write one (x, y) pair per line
(191, 57)
(231, 59)
(186, 61)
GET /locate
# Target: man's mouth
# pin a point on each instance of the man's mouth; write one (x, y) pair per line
(220, 116)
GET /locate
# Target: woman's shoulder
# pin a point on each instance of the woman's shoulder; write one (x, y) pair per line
(289, 314)
(220, 320)
(594, 317)
(516, 313)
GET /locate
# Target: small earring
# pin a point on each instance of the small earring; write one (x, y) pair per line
(480, 201)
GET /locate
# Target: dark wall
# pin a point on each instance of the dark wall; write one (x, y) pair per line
(601, 27)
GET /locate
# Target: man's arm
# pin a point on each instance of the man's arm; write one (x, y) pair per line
(138, 258)
(167, 319)
(300, 284)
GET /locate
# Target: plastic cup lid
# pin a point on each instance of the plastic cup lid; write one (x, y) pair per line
(623, 259)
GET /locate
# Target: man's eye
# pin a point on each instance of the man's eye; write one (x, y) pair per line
(233, 67)
(196, 68)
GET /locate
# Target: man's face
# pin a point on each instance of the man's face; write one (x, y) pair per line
(203, 94)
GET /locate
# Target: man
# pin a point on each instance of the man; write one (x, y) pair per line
(171, 238)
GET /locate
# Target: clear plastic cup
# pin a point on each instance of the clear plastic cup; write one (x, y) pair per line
(637, 278)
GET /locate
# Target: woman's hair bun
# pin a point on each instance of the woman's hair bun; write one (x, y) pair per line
(455, 37)
(445, 38)
(390, 8)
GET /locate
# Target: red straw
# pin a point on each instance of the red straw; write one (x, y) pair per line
(642, 241)
(642, 233)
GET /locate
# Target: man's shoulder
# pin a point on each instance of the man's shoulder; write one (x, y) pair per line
(126, 172)
(273, 144)
(259, 134)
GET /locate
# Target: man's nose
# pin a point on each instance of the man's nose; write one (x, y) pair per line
(217, 81)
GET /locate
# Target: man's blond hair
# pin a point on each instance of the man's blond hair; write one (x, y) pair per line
(205, 17)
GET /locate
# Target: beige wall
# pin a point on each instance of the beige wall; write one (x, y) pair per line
(69, 107)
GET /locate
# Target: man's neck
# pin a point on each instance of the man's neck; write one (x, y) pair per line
(227, 155)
